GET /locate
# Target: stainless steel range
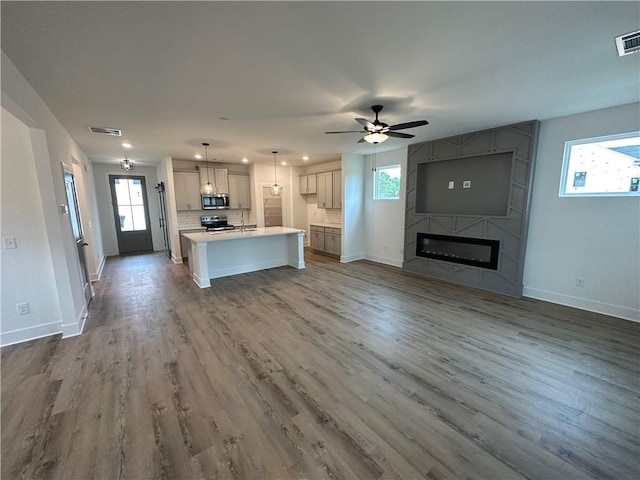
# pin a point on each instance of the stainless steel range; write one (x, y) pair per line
(215, 223)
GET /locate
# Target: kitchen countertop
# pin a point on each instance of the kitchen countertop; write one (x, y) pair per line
(328, 225)
(199, 237)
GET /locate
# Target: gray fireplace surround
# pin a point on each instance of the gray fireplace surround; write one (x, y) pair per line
(464, 193)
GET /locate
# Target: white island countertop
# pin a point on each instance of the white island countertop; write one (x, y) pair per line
(237, 234)
(232, 252)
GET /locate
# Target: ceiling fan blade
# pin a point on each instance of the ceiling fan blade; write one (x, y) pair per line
(366, 123)
(349, 131)
(400, 135)
(401, 126)
(361, 140)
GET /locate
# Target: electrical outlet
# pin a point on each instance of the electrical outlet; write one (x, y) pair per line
(22, 308)
(466, 184)
(579, 282)
(451, 185)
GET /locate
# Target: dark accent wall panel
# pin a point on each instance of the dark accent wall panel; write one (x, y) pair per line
(495, 207)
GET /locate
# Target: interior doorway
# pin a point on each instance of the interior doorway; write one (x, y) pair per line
(76, 227)
(131, 213)
(272, 206)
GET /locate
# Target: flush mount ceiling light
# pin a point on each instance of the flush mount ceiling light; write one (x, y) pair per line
(126, 165)
(208, 188)
(276, 190)
(127, 145)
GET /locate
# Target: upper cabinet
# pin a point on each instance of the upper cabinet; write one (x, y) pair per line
(239, 191)
(187, 190)
(330, 190)
(217, 176)
(308, 184)
(337, 189)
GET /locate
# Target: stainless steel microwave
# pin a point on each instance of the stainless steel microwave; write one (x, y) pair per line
(218, 201)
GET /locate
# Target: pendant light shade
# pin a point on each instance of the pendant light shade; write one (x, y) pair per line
(276, 190)
(208, 188)
(126, 165)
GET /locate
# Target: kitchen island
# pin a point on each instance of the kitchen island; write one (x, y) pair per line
(220, 254)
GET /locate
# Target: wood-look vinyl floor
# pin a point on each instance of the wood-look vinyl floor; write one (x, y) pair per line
(336, 371)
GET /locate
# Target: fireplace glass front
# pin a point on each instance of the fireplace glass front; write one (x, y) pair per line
(477, 252)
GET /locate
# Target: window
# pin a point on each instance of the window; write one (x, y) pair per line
(602, 166)
(130, 204)
(386, 182)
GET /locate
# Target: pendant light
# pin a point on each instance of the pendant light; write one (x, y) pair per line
(276, 190)
(126, 165)
(208, 188)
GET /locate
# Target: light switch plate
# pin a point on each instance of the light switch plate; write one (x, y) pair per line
(9, 242)
(451, 185)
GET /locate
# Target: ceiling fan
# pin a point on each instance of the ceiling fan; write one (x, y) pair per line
(377, 131)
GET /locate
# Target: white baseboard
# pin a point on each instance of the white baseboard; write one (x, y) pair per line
(30, 333)
(73, 329)
(94, 277)
(175, 259)
(351, 258)
(385, 260)
(618, 311)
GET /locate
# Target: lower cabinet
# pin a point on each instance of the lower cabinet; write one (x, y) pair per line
(317, 238)
(326, 240)
(332, 241)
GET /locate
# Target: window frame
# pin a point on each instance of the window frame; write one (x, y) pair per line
(568, 145)
(376, 171)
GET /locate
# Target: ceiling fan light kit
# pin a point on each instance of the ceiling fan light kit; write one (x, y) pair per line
(376, 137)
(378, 132)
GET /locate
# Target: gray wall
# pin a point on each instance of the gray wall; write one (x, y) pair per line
(519, 142)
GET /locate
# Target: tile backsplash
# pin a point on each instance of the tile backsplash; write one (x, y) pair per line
(191, 219)
(188, 219)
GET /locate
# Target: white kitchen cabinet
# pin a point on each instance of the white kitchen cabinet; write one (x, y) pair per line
(308, 184)
(217, 176)
(239, 191)
(337, 189)
(187, 190)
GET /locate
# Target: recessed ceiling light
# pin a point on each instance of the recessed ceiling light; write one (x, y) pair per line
(197, 156)
(305, 158)
(245, 160)
(284, 164)
(127, 145)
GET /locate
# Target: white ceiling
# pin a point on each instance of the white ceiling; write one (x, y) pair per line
(282, 73)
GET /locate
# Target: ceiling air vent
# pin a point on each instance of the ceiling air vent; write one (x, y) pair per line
(628, 43)
(106, 131)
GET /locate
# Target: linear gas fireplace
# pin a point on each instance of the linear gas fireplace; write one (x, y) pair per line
(478, 252)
